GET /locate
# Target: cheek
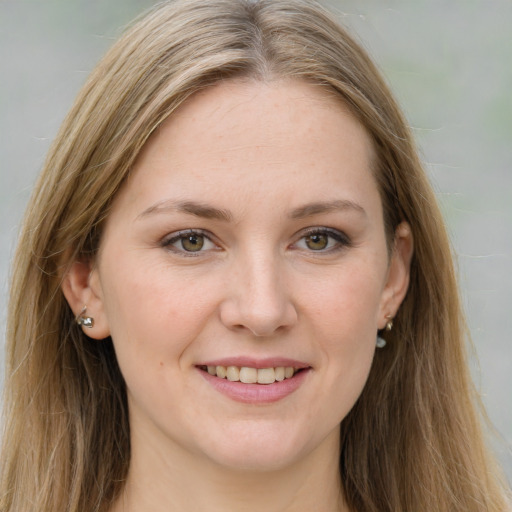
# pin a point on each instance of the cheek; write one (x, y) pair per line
(346, 301)
(153, 315)
(343, 314)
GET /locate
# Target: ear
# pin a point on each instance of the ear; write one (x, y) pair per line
(398, 276)
(81, 287)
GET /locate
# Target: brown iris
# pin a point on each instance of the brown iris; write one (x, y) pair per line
(317, 241)
(192, 243)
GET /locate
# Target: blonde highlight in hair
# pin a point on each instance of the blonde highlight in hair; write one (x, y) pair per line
(412, 441)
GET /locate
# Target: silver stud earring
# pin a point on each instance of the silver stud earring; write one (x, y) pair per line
(84, 321)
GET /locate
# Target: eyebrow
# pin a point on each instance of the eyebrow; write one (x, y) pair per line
(191, 207)
(311, 209)
(209, 212)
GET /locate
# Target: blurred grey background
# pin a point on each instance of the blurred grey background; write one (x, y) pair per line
(450, 65)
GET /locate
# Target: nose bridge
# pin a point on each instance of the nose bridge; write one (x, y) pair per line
(264, 287)
(259, 299)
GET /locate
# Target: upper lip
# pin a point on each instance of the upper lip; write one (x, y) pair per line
(251, 362)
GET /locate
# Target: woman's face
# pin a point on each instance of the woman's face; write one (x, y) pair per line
(249, 235)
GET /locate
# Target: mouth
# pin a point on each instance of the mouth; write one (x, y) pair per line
(251, 375)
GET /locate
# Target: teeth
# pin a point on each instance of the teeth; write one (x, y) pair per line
(249, 375)
(266, 376)
(233, 373)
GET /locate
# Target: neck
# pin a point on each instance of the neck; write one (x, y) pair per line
(185, 482)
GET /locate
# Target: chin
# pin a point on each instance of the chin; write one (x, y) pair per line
(262, 449)
(262, 461)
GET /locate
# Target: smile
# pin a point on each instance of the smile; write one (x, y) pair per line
(249, 375)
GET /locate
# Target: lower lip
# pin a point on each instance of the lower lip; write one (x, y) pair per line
(256, 393)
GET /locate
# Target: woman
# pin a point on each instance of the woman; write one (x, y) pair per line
(234, 289)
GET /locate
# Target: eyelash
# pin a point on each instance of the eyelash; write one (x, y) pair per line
(340, 238)
(183, 235)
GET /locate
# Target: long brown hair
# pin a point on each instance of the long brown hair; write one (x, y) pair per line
(412, 442)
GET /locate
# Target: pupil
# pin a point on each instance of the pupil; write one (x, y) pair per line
(193, 243)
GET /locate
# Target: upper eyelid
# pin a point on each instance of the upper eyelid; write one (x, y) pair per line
(184, 232)
(323, 230)
(320, 229)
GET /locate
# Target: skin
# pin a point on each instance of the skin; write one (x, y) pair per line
(261, 154)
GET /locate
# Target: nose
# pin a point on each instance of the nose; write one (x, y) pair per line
(257, 299)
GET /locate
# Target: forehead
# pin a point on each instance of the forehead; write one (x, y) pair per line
(260, 110)
(290, 136)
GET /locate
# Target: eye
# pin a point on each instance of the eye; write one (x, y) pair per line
(189, 241)
(323, 240)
